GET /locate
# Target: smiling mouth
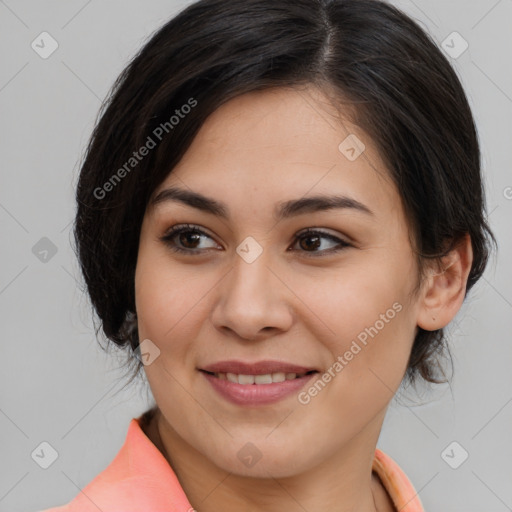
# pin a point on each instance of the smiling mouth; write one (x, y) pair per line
(268, 378)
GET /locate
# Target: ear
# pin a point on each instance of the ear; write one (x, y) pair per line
(443, 292)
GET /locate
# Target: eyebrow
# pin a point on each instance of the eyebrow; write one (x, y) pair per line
(283, 210)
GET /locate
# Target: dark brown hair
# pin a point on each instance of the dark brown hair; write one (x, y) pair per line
(405, 95)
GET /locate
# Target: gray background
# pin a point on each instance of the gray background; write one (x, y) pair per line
(58, 386)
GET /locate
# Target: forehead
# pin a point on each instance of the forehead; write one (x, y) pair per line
(268, 146)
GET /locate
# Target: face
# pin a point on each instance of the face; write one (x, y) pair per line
(252, 286)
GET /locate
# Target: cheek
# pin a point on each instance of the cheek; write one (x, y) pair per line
(165, 311)
(159, 292)
(370, 324)
(368, 353)
(170, 302)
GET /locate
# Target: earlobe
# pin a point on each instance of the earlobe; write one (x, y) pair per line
(444, 290)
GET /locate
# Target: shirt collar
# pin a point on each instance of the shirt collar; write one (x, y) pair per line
(140, 478)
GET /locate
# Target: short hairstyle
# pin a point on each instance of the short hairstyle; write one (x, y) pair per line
(371, 56)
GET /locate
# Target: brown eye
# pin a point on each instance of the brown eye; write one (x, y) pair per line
(184, 239)
(310, 245)
(311, 240)
(187, 238)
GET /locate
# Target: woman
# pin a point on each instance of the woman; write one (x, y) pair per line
(241, 131)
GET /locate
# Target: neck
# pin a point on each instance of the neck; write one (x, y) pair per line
(342, 483)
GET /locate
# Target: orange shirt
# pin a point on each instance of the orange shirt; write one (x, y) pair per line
(140, 479)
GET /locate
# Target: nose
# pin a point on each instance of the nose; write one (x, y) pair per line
(253, 302)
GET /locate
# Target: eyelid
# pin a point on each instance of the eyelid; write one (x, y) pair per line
(305, 231)
(185, 227)
(341, 241)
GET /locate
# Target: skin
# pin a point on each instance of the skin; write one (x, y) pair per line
(253, 152)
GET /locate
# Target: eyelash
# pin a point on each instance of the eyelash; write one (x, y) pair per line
(167, 239)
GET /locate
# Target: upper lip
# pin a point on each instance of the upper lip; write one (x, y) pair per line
(257, 368)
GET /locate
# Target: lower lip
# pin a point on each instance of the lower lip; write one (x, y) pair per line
(256, 394)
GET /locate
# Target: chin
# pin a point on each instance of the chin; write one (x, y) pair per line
(252, 462)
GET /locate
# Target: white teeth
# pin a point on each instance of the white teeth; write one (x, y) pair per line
(246, 379)
(261, 379)
(268, 378)
(278, 377)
